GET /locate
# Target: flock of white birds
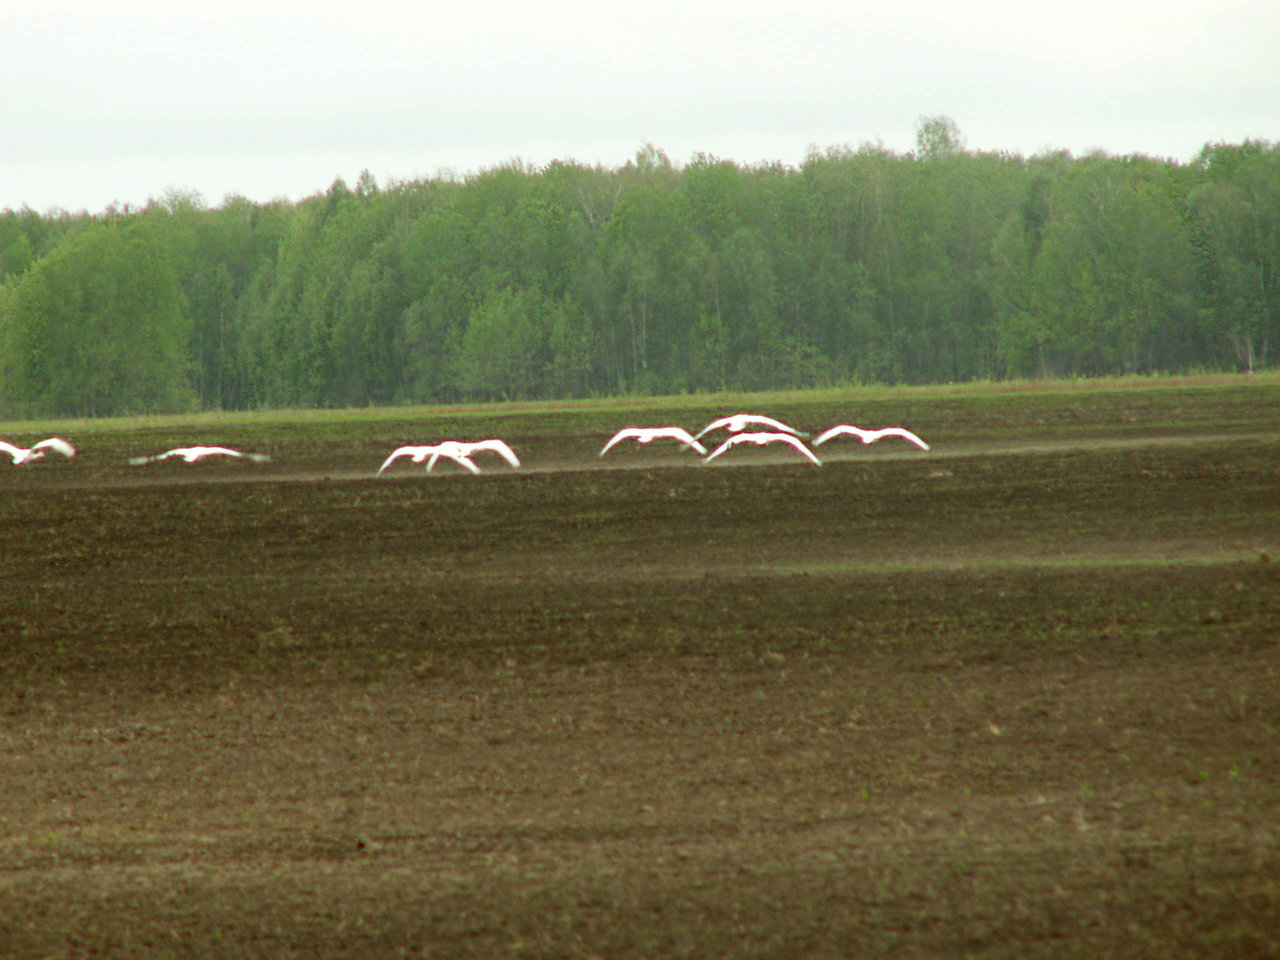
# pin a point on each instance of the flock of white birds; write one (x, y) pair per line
(28, 454)
(739, 426)
(455, 450)
(21, 455)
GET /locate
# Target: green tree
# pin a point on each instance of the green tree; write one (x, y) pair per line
(938, 138)
(571, 350)
(503, 352)
(1237, 204)
(568, 280)
(15, 249)
(709, 352)
(652, 253)
(98, 327)
(1114, 278)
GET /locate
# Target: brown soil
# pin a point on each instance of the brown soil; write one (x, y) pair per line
(1017, 702)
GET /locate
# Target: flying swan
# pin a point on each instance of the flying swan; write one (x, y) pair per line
(740, 421)
(760, 439)
(453, 449)
(23, 455)
(192, 454)
(869, 436)
(649, 434)
(449, 448)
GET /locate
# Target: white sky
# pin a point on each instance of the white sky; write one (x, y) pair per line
(119, 101)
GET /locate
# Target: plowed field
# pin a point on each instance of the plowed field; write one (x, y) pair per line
(1013, 697)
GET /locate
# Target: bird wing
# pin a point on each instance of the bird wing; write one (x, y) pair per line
(56, 443)
(736, 438)
(787, 438)
(625, 434)
(838, 430)
(19, 454)
(905, 434)
(193, 454)
(770, 422)
(498, 447)
(395, 454)
(716, 425)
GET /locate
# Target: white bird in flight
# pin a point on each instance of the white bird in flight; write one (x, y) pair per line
(192, 454)
(469, 450)
(450, 448)
(649, 434)
(740, 421)
(760, 439)
(23, 455)
(869, 436)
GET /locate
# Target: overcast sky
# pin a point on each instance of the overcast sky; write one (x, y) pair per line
(123, 100)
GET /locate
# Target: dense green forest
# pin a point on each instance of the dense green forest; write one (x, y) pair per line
(862, 265)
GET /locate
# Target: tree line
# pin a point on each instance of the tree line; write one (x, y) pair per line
(862, 265)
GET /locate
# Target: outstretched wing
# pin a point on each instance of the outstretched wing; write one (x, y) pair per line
(192, 454)
(629, 433)
(498, 447)
(396, 454)
(770, 422)
(905, 434)
(19, 454)
(787, 438)
(736, 438)
(716, 425)
(56, 443)
(840, 430)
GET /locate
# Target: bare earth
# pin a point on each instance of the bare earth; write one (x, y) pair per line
(1000, 700)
